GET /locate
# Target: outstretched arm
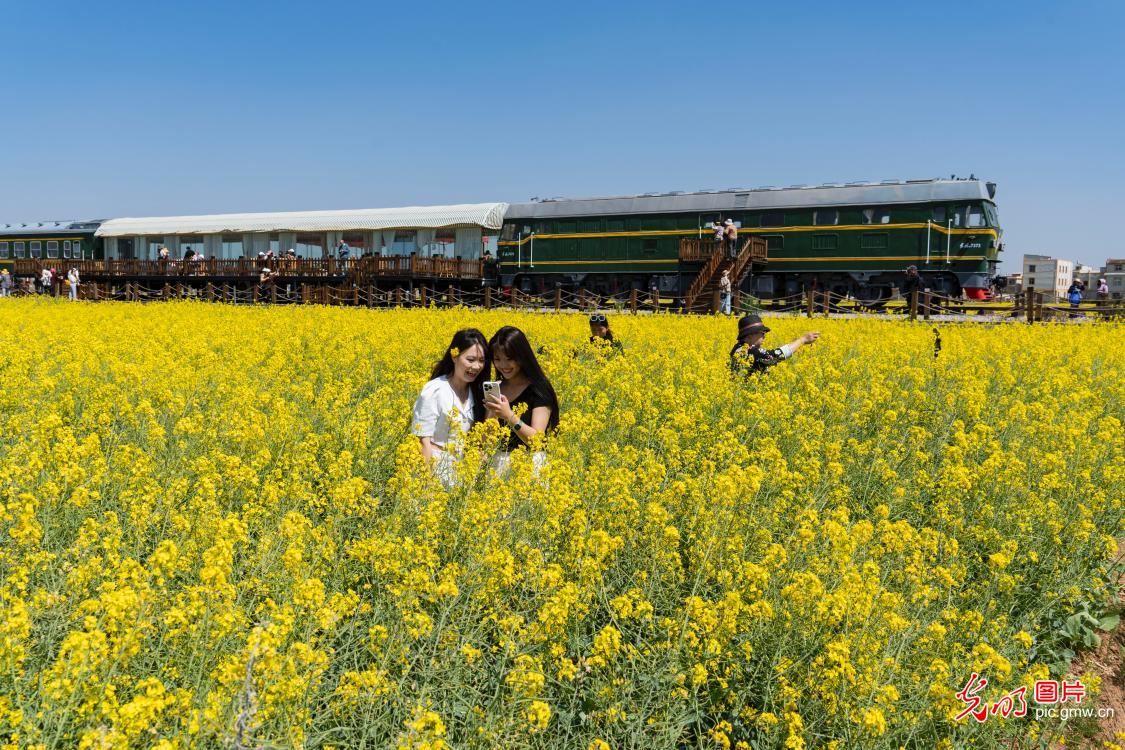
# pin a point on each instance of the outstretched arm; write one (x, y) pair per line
(796, 344)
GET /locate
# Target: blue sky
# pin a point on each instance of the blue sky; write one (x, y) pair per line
(135, 109)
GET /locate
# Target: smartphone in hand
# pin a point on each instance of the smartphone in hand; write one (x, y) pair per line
(491, 388)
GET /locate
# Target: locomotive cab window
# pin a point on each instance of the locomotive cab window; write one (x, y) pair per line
(52, 248)
(990, 215)
(36, 249)
(939, 215)
(826, 216)
(772, 219)
(968, 216)
(876, 216)
(4, 250)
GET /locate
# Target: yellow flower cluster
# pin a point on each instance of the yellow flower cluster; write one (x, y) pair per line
(216, 530)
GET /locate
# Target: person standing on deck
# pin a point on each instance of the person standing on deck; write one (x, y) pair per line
(731, 234)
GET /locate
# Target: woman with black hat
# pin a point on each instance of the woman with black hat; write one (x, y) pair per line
(749, 356)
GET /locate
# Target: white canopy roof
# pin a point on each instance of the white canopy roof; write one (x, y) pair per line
(487, 215)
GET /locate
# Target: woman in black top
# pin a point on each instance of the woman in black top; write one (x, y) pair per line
(522, 381)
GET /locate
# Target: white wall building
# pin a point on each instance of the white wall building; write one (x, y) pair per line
(1114, 275)
(1046, 274)
(463, 231)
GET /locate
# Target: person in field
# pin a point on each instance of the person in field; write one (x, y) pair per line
(524, 388)
(749, 356)
(601, 335)
(73, 280)
(451, 402)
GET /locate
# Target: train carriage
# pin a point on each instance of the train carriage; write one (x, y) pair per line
(48, 241)
(852, 239)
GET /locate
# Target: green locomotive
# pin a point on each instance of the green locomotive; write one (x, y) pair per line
(853, 238)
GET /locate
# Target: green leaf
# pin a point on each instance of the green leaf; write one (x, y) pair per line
(1109, 622)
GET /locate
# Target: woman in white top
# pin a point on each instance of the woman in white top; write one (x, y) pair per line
(451, 401)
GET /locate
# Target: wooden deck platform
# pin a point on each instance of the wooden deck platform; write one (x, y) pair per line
(355, 270)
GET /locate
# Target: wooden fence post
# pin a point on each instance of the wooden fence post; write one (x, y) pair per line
(716, 302)
(810, 302)
(398, 296)
(1029, 305)
(633, 301)
(914, 305)
(488, 298)
(558, 298)
(167, 290)
(370, 295)
(452, 297)
(925, 305)
(273, 294)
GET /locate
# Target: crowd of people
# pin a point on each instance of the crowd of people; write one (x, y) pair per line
(44, 283)
(725, 233)
(461, 393)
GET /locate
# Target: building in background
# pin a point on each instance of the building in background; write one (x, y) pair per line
(1114, 274)
(1015, 283)
(460, 231)
(1046, 274)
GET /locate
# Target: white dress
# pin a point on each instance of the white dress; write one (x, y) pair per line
(444, 418)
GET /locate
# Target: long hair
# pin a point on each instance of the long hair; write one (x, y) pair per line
(514, 343)
(463, 340)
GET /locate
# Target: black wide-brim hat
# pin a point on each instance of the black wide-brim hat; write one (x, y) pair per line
(752, 324)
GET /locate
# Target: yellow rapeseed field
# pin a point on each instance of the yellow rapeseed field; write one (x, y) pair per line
(217, 532)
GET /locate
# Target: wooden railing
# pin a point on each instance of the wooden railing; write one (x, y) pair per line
(754, 250)
(370, 267)
(703, 278)
(693, 250)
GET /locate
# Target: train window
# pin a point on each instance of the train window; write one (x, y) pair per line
(66, 249)
(772, 219)
(876, 216)
(615, 225)
(990, 215)
(825, 216)
(3, 250)
(36, 249)
(52, 248)
(939, 214)
(508, 232)
(968, 216)
(232, 245)
(774, 241)
(76, 250)
(825, 241)
(873, 241)
(18, 249)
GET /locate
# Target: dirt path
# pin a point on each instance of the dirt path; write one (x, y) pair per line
(1107, 662)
